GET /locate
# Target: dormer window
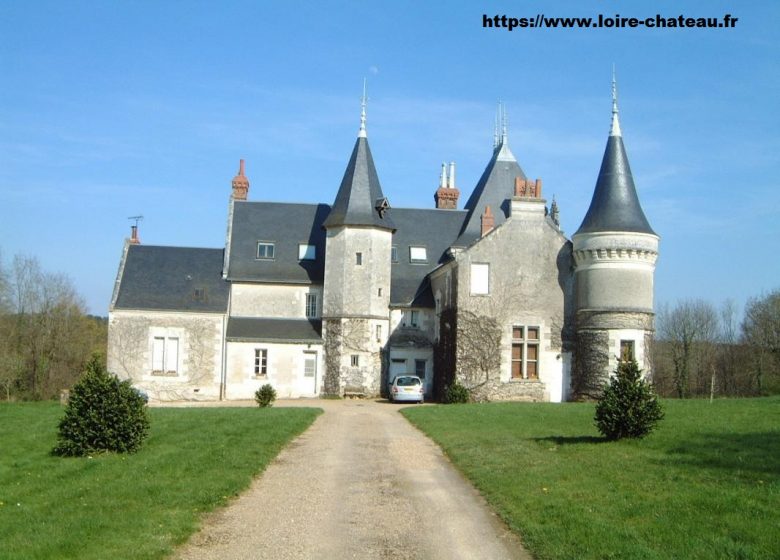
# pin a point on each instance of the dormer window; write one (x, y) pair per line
(265, 250)
(418, 254)
(306, 252)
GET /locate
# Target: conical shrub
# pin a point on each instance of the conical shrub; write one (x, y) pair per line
(629, 407)
(103, 414)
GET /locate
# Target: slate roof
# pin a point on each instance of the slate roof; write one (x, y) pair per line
(286, 225)
(495, 189)
(436, 230)
(359, 193)
(615, 204)
(251, 329)
(166, 279)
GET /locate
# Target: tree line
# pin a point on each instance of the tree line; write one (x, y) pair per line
(706, 351)
(46, 335)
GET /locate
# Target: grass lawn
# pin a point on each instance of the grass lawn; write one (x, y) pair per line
(129, 506)
(705, 485)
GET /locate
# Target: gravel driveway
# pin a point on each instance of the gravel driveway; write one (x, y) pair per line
(361, 482)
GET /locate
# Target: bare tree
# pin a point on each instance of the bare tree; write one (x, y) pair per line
(761, 329)
(691, 329)
(45, 337)
(478, 349)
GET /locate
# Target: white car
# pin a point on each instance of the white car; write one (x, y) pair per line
(406, 388)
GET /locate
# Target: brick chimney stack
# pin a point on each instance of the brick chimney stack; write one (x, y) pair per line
(240, 183)
(488, 221)
(447, 195)
(134, 240)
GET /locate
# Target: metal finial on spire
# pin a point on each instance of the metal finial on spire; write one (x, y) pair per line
(364, 99)
(615, 129)
(504, 125)
(495, 129)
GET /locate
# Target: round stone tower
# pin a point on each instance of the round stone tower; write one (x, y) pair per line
(356, 291)
(615, 251)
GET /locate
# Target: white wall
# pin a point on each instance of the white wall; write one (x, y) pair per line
(285, 370)
(272, 300)
(199, 363)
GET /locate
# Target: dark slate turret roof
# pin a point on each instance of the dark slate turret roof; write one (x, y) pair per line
(495, 189)
(286, 225)
(166, 279)
(359, 193)
(615, 204)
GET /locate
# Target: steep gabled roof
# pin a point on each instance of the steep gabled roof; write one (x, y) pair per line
(433, 229)
(285, 225)
(495, 189)
(172, 279)
(360, 193)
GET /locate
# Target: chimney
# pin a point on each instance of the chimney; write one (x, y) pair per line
(134, 235)
(525, 188)
(240, 183)
(447, 195)
(488, 221)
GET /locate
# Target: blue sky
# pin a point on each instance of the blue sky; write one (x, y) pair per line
(113, 109)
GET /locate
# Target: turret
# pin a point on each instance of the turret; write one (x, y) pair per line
(356, 296)
(615, 251)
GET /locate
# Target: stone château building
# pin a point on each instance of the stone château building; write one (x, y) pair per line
(339, 298)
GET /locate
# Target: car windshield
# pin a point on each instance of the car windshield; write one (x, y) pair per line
(406, 381)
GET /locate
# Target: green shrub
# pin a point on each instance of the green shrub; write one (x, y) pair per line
(456, 393)
(265, 396)
(629, 407)
(103, 414)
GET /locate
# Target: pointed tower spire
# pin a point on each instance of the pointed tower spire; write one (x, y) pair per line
(363, 101)
(360, 201)
(615, 129)
(615, 204)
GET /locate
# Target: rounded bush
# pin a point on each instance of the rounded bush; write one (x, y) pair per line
(456, 393)
(103, 414)
(629, 407)
(265, 395)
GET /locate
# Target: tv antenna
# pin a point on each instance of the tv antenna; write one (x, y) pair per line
(136, 218)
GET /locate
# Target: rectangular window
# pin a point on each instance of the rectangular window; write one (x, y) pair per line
(172, 356)
(265, 250)
(309, 364)
(261, 361)
(415, 320)
(158, 354)
(165, 355)
(419, 368)
(355, 360)
(480, 279)
(394, 254)
(306, 252)
(525, 352)
(379, 333)
(418, 254)
(359, 259)
(627, 350)
(311, 305)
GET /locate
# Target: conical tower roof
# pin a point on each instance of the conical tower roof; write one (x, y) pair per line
(360, 201)
(615, 204)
